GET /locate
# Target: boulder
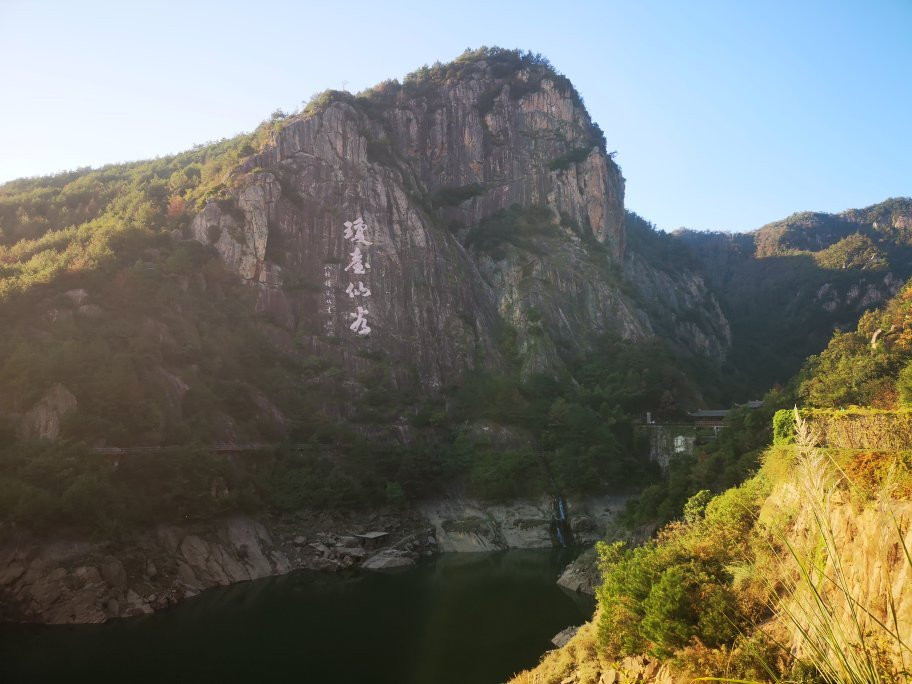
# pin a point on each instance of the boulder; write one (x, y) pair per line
(563, 637)
(136, 605)
(91, 312)
(112, 571)
(582, 575)
(78, 296)
(388, 559)
(43, 420)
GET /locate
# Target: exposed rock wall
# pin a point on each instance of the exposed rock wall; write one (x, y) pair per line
(428, 309)
(43, 419)
(681, 306)
(509, 150)
(423, 169)
(464, 525)
(76, 581)
(71, 580)
(854, 556)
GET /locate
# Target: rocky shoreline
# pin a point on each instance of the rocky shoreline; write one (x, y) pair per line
(73, 580)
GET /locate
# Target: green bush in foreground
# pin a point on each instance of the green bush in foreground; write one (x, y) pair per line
(662, 596)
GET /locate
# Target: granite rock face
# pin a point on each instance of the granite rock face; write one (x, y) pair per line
(427, 170)
(467, 525)
(428, 308)
(72, 580)
(75, 581)
(43, 419)
(687, 312)
(582, 575)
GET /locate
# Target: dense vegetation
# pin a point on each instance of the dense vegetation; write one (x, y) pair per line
(79, 222)
(678, 590)
(720, 461)
(705, 591)
(516, 226)
(719, 592)
(787, 286)
(61, 486)
(501, 437)
(174, 307)
(869, 366)
(850, 371)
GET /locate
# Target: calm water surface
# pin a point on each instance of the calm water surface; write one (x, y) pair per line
(460, 619)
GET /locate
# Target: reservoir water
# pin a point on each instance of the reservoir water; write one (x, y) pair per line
(455, 619)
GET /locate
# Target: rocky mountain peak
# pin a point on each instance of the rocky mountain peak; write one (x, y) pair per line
(466, 218)
(466, 176)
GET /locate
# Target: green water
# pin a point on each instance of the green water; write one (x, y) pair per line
(460, 619)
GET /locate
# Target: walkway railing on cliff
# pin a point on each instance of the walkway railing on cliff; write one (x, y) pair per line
(217, 447)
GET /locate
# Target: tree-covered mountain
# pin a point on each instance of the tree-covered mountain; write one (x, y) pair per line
(787, 286)
(470, 213)
(384, 276)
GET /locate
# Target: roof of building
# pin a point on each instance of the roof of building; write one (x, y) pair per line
(709, 413)
(752, 404)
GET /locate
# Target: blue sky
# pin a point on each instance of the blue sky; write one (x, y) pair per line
(725, 115)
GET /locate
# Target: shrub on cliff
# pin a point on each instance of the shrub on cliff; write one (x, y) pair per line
(865, 367)
(662, 596)
(904, 385)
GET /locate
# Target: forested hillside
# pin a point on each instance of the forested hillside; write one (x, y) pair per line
(787, 286)
(204, 299)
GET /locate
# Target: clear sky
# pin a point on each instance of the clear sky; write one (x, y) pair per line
(725, 115)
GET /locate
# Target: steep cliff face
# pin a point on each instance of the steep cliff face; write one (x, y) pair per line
(377, 245)
(681, 306)
(283, 231)
(491, 209)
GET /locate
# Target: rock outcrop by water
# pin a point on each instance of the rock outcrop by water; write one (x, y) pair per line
(582, 575)
(465, 525)
(77, 581)
(73, 580)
